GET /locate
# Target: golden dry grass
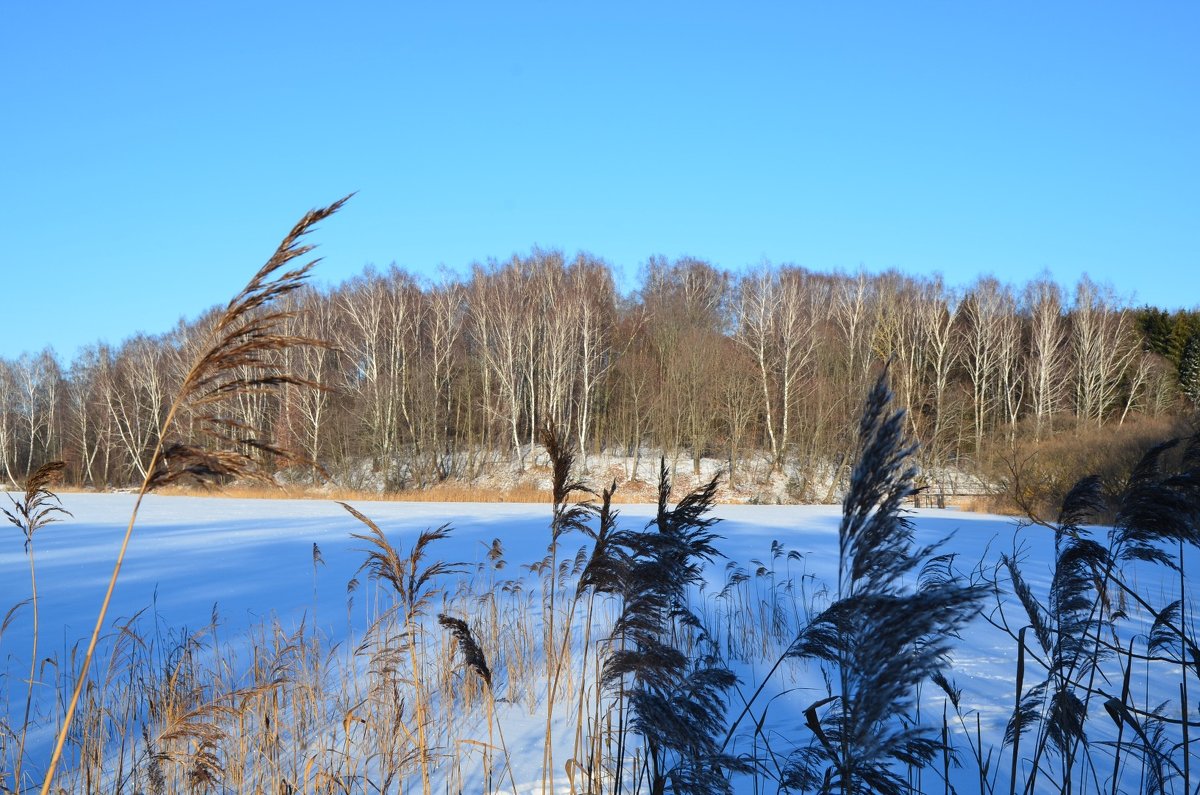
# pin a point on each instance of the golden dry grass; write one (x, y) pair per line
(980, 503)
(628, 493)
(444, 492)
(450, 491)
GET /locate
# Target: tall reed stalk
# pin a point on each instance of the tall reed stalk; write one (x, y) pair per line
(413, 581)
(883, 635)
(567, 517)
(240, 357)
(598, 576)
(36, 509)
(476, 661)
(663, 661)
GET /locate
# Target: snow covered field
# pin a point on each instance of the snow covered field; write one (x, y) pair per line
(253, 561)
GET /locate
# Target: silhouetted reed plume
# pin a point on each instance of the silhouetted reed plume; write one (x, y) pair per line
(664, 662)
(472, 655)
(884, 634)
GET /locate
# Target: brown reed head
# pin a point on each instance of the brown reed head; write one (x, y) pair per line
(244, 355)
(472, 654)
(39, 506)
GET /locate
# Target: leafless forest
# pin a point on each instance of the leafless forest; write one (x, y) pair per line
(766, 370)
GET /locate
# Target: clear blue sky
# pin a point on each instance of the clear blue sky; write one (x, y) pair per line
(153, 154)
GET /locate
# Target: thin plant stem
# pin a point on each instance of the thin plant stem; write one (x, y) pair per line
(104, 605)
(33, 659)
(236, 340)
(547, 757)
(587, 639)
(420, 706)
(552, 671)
(1183, 688)
(745, 710)
(1012, 784)
(1121, 723)
(504, 747)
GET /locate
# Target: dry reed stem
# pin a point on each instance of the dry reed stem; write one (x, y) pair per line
(242, 337)
(35, 510)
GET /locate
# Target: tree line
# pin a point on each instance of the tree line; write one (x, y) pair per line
(429, 380)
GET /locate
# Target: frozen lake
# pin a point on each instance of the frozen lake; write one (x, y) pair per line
(251, 561)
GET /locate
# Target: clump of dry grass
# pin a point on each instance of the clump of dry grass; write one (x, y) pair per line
(465, 492)
(982, 503)
(414, 584)
(528, 493)
(442, 492)
(1037, 475)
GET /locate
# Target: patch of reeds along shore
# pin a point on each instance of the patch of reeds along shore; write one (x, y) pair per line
(610, 640)
(631, 667)
(429, 644)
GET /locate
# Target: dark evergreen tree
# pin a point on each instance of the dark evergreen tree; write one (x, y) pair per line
(1159, 328)
(1189, 369)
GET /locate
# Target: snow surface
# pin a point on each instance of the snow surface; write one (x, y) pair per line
(253, 559)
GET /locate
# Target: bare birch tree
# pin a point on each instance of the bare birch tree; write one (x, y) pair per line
(1104, 345)
(777, 319)
(499, 307)
(592, 293)
(980, 349)
(135, 389)
(8, 434)
(1047, 365)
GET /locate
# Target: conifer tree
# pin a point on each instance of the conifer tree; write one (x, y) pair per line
(1189, 369)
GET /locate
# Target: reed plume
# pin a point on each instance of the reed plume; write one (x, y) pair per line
(413, 583)
(38, 507)
(472, 655)
(243, 358)
(240, 356)
(881, 637)
(567, 516)
(665, 662)
(476, 661)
